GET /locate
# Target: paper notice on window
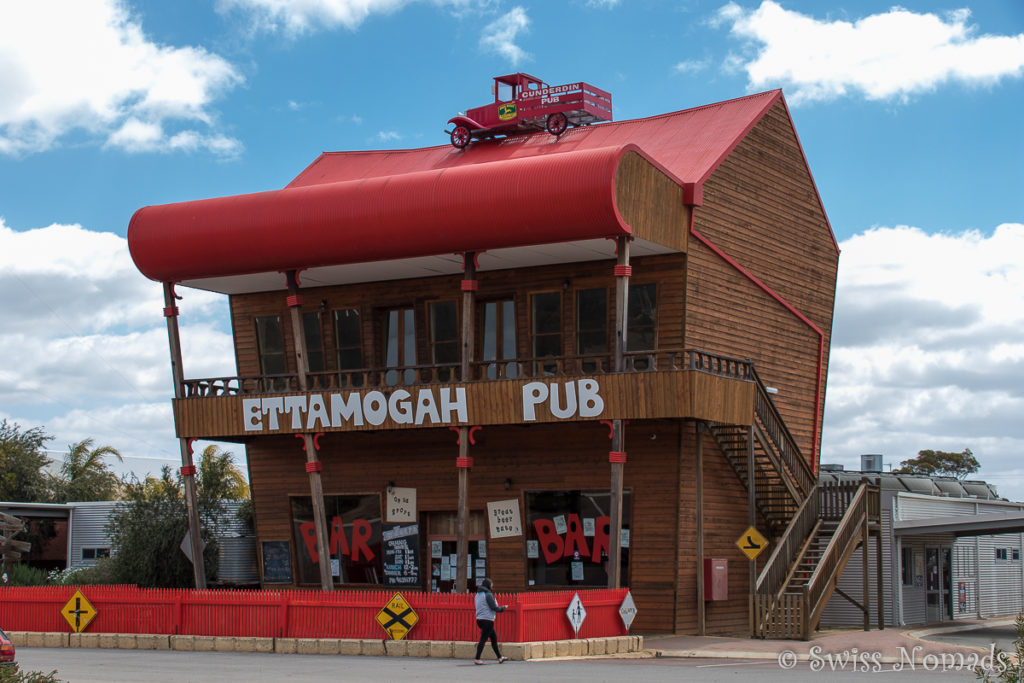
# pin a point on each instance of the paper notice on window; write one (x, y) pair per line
(503, 518)
(435, 549)
(481, 548)
(446, 572)
(624, 539)
(577, 571)
(588, 526)
(533, 549)
(560, 526)
(401, 505)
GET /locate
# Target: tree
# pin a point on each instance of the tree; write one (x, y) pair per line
(147, 531)
(940, 463)
(23, 464)
(84, 476)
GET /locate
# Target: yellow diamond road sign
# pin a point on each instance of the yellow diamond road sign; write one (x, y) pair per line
(751, 543)
(397, 617)
(78, 612)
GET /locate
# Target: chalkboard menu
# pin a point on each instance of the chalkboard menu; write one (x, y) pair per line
(277, 562)
(401, 554)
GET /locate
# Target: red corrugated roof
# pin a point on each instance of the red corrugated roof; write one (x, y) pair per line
(689, 144)
(360, 207)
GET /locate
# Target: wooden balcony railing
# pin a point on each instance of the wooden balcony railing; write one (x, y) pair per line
(480, 371)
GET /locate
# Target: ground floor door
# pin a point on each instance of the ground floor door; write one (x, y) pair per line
(442, 540)
(938, 584)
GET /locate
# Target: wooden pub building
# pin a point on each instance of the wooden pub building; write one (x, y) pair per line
(584, 361)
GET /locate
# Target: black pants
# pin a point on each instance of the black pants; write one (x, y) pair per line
(487, 632)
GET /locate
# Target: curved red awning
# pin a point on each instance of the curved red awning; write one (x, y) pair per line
(515, 202)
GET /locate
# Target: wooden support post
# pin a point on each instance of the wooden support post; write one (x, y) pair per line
(187, 467)
(699, 431)
(617, 456)
(751, 514)
(866, 563)
(313, 464)
(878, 563)
(462, 522)
(464, 463)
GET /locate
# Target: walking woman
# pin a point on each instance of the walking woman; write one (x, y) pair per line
(486, 608)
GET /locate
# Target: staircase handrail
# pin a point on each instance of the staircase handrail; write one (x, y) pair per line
(838, 545)
(776, 569)
(775, 428)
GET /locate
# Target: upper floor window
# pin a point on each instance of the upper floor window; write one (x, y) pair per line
(546, 327)
(314, 342)
(270, 342)
(641, 331)
(348, 345)
(591, 321)
(499, 338)
(444, 333)
(400, 349)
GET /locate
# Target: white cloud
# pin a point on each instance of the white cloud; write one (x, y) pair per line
(890, 55)
(927, 350)
(692, 65)
(87, 66)
(388, 136)
(500, 35)
(299, 17)
(84, 341)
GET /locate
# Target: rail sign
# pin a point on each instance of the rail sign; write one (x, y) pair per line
(576, 613)
(78, 612)
(397, 617)
(751, 543)
(627, 610)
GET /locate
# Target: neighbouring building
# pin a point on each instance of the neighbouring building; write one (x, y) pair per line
(544, 360)
(951, 550)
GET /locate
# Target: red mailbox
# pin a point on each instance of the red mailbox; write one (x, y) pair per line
(716, 579)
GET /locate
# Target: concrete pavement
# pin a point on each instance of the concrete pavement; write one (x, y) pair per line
(891, 645)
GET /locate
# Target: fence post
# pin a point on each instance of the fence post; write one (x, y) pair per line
(282, 614)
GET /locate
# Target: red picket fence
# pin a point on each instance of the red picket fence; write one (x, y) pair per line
(306, 613)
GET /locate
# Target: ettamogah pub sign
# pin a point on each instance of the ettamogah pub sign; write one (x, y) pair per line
(577, 399)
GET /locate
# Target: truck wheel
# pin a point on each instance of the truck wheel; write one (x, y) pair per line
(460, 137)
(557, 123)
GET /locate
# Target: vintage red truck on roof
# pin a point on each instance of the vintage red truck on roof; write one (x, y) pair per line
(524, 103)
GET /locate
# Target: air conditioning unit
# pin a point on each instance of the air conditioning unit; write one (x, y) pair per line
(871, 462)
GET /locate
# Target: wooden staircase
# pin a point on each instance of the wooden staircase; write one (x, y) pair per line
(815, 529)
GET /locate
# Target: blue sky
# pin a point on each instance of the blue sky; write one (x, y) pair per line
(909, 117)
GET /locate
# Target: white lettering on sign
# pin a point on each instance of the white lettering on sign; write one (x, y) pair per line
(310, 413)
(564, 400)
(547, 92)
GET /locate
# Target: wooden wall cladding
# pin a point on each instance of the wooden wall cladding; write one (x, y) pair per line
(631, 396)
(761, 209)
(725, 519)
(371, 299)
(535, 458)
(651, 203)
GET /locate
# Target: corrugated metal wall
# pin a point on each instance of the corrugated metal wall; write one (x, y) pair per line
(999, 580)
(839, 611)
(991, 587)
(88, 529)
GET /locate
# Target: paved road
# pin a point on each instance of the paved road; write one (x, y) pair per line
(1002, 636)
(97, 665)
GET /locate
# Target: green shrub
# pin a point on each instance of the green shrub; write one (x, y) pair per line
(24, 575)
(99, 574)
(14, 674)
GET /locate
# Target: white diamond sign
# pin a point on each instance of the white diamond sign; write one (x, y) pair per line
(576, 613)
(627, 610)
